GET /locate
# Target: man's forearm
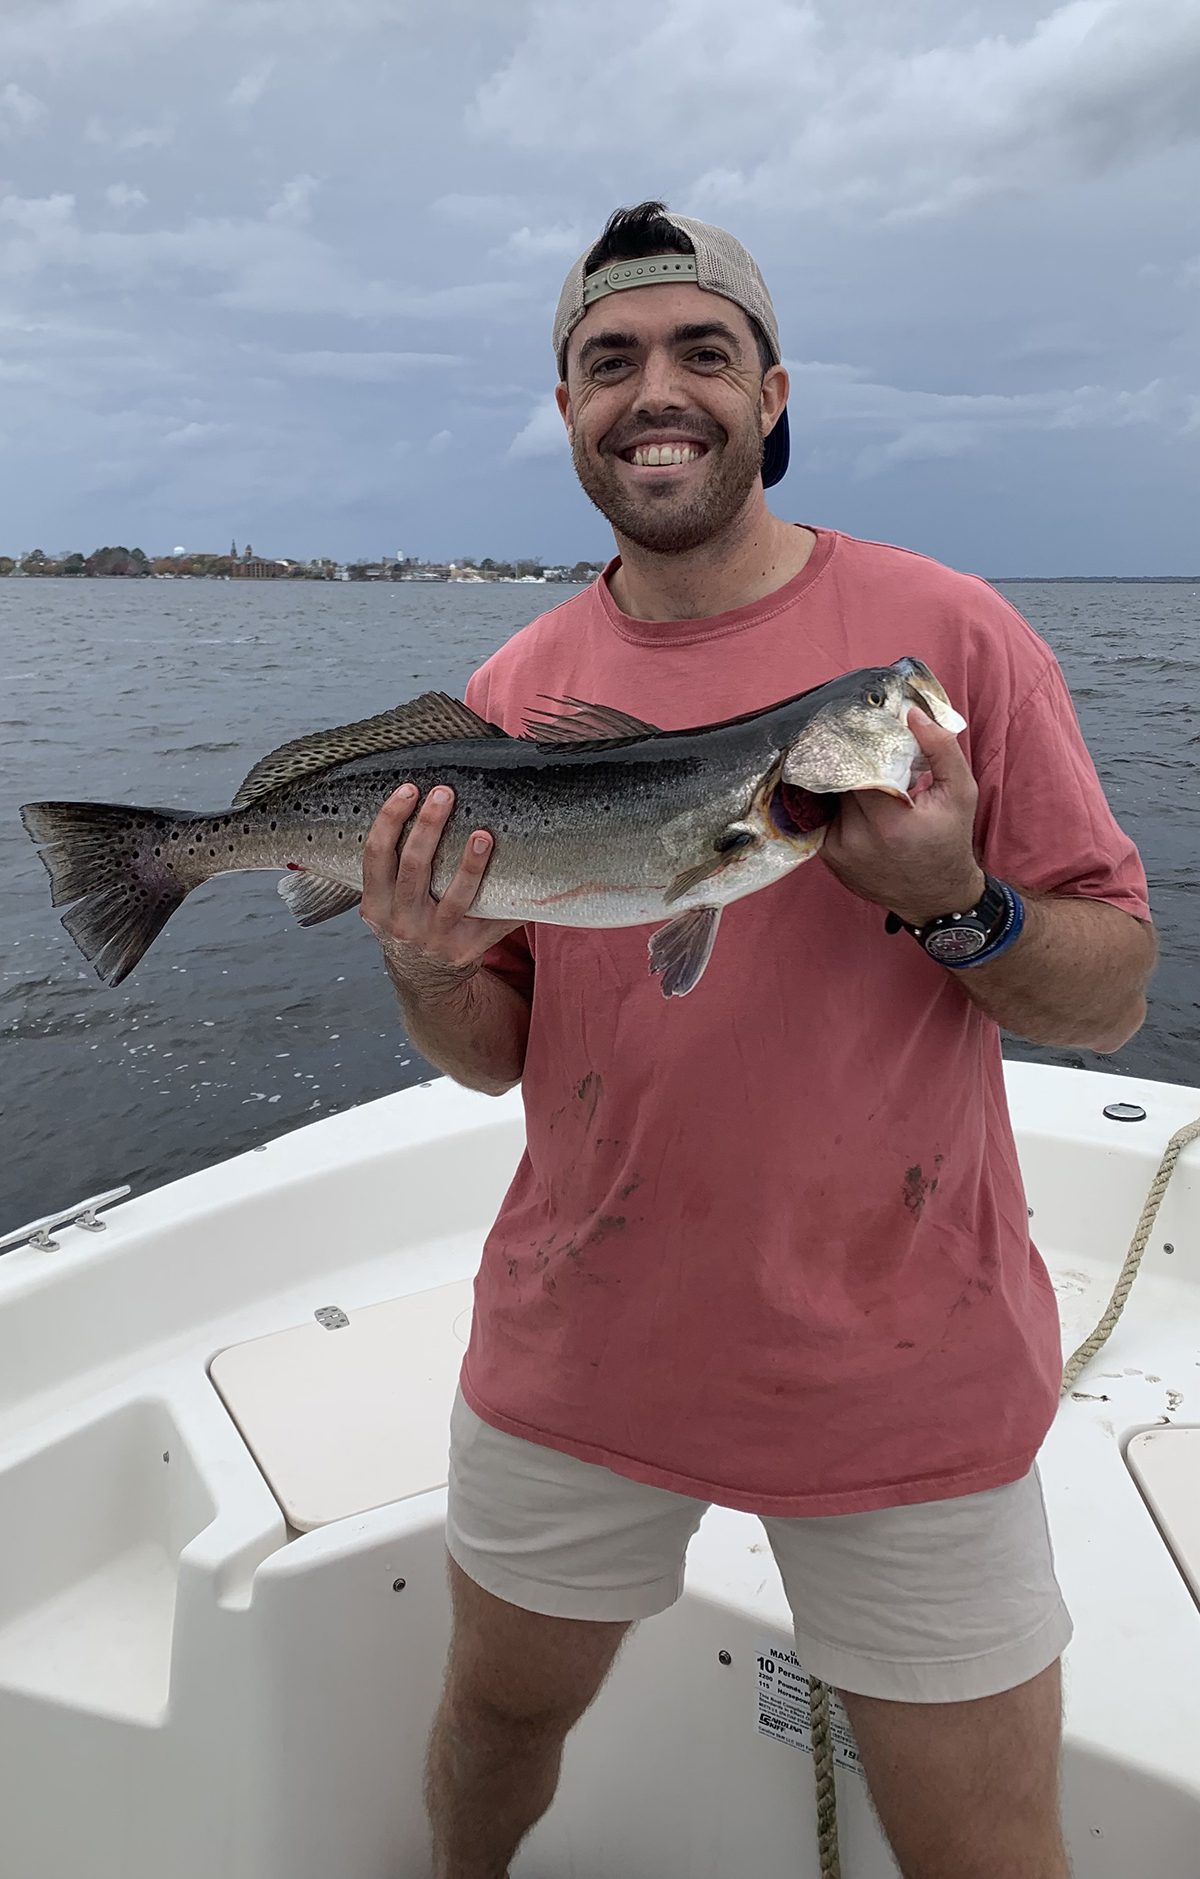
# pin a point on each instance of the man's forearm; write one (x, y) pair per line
(1077, 975)
(474, 1027)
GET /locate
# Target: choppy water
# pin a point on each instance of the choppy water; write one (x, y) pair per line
(239, 1025)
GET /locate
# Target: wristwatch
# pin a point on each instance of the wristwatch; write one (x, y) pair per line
(975, 937)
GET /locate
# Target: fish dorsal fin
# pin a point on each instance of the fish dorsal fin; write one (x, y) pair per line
(433, 718)
(584, 725)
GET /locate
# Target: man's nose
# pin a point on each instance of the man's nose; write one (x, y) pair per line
(660, 387)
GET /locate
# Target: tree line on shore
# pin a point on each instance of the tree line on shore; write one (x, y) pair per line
(134, 563)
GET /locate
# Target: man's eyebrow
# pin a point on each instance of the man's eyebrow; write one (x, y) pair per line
(607, 342)
(682, 336)
(706, 329)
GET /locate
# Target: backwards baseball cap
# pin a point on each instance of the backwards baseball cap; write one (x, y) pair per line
(720, 265)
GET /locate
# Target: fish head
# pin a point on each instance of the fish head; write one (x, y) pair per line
(859, 738)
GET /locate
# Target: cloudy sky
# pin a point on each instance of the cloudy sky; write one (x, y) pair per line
(285, 270)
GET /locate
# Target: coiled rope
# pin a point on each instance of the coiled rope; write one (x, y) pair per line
(822, 1741)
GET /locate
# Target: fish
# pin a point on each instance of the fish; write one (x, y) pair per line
(599, 819)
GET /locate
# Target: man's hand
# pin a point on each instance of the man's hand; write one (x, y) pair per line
(916, 859)
(427, 943)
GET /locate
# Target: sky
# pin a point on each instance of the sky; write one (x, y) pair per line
(281, 271)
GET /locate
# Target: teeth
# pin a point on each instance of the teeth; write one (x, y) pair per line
(652, 456)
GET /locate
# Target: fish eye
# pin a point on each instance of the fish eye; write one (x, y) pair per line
(875, 697)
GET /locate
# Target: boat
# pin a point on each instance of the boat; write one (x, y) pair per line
(223, 1608)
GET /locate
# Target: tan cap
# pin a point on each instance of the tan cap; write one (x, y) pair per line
(719, 264)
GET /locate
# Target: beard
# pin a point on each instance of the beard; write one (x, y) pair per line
(664, 518)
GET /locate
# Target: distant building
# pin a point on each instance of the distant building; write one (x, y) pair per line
(256, 568)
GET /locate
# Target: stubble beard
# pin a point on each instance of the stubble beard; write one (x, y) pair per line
(666, 521)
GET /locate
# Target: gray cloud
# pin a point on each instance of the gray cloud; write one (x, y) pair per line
(794, 111)
(364, 368)
(298, 283)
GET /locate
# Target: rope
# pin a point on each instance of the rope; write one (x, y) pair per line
(822, 1746)
(822, 1743)
(1133, 1258)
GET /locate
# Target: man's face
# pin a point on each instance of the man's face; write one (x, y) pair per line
(664, 371)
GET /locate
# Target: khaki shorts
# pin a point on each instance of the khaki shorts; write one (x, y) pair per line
(935, 1603)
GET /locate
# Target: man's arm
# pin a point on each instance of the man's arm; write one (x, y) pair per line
(1078, 973)
(468, 1021)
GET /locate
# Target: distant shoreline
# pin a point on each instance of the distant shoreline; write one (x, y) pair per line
(1092, 580)
(473, 580)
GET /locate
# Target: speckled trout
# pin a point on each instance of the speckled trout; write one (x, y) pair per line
(598, 818)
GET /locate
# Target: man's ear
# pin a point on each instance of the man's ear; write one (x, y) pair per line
(562, 399)
(775, 388)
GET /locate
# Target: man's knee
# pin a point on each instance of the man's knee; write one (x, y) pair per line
(520, 1673)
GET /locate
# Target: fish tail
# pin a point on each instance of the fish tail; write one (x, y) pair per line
(112, 862)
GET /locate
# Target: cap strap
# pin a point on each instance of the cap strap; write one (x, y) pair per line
(644, 273)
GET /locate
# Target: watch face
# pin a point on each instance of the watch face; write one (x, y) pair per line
(953, 943)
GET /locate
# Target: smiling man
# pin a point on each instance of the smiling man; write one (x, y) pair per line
(768, 1245)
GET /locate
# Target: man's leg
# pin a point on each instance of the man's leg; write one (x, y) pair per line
(968, 1790)
(944, 1622)
(516, 1683)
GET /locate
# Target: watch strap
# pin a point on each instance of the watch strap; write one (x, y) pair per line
(975, 936)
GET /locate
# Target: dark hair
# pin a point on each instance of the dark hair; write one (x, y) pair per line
(631, 234)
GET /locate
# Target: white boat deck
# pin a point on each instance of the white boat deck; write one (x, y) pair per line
(199, 1673)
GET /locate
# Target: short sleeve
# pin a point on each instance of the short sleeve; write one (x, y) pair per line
(1043, 821)
(511, 959)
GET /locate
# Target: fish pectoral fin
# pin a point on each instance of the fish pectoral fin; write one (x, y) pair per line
(314, 897)
(433, 718)
(580, 723)
(680, 950)
(728, 848)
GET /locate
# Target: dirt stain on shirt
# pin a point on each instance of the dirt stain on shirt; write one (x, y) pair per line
(918, 1186)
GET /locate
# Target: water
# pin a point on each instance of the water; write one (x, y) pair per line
(238, 1025)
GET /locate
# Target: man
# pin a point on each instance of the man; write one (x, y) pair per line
(768, 1245)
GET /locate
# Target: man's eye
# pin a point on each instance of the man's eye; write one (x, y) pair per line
(604, 368)
(708, 355)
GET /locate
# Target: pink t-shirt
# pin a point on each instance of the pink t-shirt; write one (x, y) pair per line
(768, 1243)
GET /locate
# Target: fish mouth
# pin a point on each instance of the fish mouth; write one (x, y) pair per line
(795, 812)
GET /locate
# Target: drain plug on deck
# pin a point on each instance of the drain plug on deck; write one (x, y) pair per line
(1125, 1112)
